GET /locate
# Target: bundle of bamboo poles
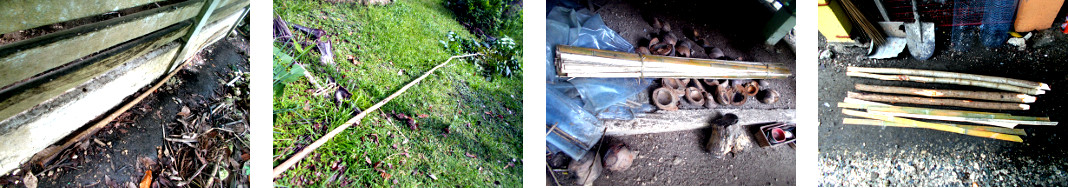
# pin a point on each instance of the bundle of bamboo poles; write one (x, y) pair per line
(1001, 126)
(865, 26)
(586, 62)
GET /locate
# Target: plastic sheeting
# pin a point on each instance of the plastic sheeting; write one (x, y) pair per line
(574, 105)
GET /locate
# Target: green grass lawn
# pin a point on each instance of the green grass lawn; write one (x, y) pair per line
(395, 44)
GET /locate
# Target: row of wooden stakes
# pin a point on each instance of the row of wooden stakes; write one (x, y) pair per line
(874, 110)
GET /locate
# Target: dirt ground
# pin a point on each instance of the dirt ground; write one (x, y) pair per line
(679, 158)
(120, 153)
(856, 155)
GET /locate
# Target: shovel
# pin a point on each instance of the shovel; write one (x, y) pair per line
(895, 37)
(892, 29)
(920, 36)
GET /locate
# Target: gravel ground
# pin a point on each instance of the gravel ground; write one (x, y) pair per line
(856, 155)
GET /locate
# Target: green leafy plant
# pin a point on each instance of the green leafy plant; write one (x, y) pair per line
(492, 16)
(500, 57)
(282, 76)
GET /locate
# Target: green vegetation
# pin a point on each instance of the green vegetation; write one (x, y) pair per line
(469, 128)
(500, 23)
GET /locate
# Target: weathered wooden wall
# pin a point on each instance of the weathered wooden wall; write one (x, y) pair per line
(115, 59)
(25, 14)
(27, 58)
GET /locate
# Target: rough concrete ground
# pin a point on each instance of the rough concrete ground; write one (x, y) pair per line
(857, 155)
(137, 135)
(679, 157)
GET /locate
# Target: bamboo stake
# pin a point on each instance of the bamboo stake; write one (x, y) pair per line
(957, 81)
(278, 170)
(934, 126)
(939, 102)
(995, 122)
(984, 95)
(855, 121)
(586, 62)
(940, 112)
(945, 74)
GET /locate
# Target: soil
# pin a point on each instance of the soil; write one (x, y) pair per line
(856, 155)
(134, 142)
(679, 158)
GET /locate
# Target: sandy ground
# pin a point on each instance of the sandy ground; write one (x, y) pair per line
(856, 155)
(679, 158)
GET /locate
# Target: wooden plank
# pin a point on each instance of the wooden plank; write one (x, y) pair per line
(198, 23)
(225, 11)
(24, 59)
(669, 121)
(27, 14)
(76, 107)
(208, 35)
(27, 104)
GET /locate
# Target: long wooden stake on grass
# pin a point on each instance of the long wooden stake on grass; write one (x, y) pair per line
(278, 170)
(946, 93)
(945, 74)
(957, 81)
(934, 126)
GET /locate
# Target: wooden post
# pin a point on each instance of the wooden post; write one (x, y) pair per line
(946, 93)
(198, 24)
(939, 102)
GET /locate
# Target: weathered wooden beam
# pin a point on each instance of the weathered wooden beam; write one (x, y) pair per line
(669, 121)
(90, 95)
(225, 11)
(21, 106)
(199, 21)
(208, 35)
(22, 60)
(26, 14)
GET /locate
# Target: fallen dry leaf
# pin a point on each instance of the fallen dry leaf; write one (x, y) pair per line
(29, 180)
(470, 155)
(185, 112)
(386, 175)
(146, 182)
(433, 177)
(423, 115)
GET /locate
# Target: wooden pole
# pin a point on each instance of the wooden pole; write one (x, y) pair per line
(945, 74)
(855, 121)
(940, 112)
(278, 170)
(934, 126)
(946, 93)
(939, 102)
(586, 62)
(957, 81)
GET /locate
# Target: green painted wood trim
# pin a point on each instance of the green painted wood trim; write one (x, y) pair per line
(25, 14)
(22, 60)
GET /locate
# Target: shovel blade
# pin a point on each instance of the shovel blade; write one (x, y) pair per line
(893, 29)
(921, 42)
